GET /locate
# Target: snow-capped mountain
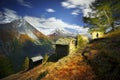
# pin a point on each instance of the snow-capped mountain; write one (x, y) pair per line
(34, 42)
(61, 32)
(6, 18)
(18, 26)
(50, 26)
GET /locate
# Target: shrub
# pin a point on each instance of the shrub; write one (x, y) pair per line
(26, 64)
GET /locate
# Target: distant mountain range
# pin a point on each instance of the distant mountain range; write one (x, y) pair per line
(60, 33)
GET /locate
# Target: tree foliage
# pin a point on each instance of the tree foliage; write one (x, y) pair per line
(104, 15)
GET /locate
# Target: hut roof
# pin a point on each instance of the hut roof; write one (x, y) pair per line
(64, 41)
(36, 58)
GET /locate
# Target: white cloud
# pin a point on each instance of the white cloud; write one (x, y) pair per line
(10, 13)
(47, 25)
(68, 5)
(75, 12)
(78, 4)
(50, 10)
(25, 3)
(86, 12)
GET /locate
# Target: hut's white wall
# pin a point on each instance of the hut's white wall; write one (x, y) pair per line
(72, 46)
(94, 35)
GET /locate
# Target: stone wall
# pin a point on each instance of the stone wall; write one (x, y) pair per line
(62, 50)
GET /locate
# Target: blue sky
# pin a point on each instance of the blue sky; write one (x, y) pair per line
(68, 11)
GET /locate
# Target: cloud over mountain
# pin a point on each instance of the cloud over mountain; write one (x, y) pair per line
(47, 25)
(10, 13)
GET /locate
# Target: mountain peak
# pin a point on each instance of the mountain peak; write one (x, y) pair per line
(7, 18)
(20, 26)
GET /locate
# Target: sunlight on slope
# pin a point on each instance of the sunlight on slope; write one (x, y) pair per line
(71, 67)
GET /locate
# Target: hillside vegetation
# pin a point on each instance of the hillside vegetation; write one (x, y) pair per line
(99, 60)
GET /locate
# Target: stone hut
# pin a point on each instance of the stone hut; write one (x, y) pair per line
(65, 46)
(34, 61)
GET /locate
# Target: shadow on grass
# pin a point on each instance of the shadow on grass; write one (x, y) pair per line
(55, 58)
(42, 75)
(106, 62)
